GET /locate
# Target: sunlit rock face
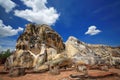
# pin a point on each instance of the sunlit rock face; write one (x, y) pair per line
(35, 46)
(39, 46)
(91, 53)
(35, 35)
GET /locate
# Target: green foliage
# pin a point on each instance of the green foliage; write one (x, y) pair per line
(4, 55)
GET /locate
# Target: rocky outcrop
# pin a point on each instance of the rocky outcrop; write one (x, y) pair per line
(35, 46)
(92, 54)
(40, 48)
(35, 35)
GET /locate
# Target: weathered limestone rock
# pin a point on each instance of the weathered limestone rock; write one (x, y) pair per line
(15, 72)
(35, 35)
(92, 54)
(54, 69)
(9, 62)
(51, 53)
(40, 48)
(104, 68)
(35, 46)
(42, 68)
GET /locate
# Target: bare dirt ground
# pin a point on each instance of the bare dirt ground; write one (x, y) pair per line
(64, 75)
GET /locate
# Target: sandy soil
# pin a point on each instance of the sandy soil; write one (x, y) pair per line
(63, 74)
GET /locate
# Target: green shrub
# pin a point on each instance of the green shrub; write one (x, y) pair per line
(4, 55)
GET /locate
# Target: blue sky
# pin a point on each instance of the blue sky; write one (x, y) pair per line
(91, 21)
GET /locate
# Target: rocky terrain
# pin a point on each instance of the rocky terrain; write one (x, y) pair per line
(91, 53)
(40, 49)
(64, 75)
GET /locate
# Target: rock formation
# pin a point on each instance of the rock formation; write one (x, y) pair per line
(35, 35)
(35, 46)
(92, 54)
(40, 48)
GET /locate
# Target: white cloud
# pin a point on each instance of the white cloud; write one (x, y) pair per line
(92, 30)
(8, 30)
(39, 12)
(7, 4)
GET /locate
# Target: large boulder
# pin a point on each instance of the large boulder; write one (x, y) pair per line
(35, 46)
(35, 35)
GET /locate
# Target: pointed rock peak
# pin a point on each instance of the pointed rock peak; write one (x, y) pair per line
(73, 39)
(76, 41)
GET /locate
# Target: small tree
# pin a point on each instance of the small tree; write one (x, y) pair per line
(4, 55)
